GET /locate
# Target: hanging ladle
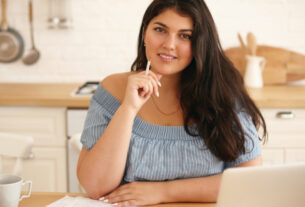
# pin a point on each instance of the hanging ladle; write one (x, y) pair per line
(33, 54)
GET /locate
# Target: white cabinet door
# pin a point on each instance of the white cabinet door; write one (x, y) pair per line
(295, 155)
(286, 127)
(286, 141)
(47, 170)
(273, 156)
(47, 125)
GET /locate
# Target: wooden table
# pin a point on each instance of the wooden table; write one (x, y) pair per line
(43, 199)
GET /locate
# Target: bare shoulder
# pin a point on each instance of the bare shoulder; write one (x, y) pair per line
(115, 84)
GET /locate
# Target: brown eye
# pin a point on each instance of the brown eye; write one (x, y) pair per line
(186, 36)
(159, 29)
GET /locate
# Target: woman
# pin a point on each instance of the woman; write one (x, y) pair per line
(168, 135)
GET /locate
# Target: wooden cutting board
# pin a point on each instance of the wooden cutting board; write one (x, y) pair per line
(282, 65)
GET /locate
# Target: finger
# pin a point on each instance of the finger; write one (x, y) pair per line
(150, 89)
(155, 86)
(147, 87)
(142, 93)
(130, 203)
(156, 77)
(118, 191)
(120, 198)
(110, 195)
(142, 87)
(151, 86)
(145, 90)
(150, 76)
(159, 76)
(143, 72)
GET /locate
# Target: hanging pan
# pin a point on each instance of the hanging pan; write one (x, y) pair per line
(11, 42)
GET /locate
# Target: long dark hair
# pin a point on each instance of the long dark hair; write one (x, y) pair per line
(211, 87)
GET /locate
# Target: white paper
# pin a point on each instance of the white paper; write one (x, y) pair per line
(68, 201)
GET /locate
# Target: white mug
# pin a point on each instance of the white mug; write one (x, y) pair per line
(10, 189)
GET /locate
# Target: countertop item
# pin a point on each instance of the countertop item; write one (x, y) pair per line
(282, 65)
(11, 42)
(251, 40)
(39, 199)
(55, 94)
(33, 54)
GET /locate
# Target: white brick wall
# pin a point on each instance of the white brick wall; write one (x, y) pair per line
(104, 34)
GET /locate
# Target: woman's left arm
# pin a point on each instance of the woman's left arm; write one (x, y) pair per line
(204, 189)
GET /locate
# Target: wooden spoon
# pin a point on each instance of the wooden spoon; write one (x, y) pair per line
(251, 41)
(242, 44)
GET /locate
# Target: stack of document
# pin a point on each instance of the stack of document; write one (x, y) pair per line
(68, 201)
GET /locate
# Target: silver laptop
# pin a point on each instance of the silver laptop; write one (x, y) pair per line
(264, 186)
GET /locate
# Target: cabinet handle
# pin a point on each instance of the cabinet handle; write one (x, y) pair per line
(30, 156)
(285, 115)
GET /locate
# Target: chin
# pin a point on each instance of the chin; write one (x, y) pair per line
(167, 70)
(168, 73)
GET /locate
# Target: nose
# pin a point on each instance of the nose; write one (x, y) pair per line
(170, 42)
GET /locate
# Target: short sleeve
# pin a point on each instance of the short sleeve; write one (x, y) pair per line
(252, 142)
(96, 122)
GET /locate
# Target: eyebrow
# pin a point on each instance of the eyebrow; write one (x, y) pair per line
(181, 30)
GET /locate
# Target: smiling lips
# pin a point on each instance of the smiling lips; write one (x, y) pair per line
(166, 57)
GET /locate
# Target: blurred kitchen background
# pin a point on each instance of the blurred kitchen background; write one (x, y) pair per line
(101, 37)
(43, 106)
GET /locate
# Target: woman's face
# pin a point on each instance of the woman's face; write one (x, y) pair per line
(168, 42)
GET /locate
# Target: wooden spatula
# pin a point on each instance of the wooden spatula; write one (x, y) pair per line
(251, 41)
(242, 43)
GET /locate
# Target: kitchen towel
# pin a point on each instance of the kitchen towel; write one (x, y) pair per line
(68, 201)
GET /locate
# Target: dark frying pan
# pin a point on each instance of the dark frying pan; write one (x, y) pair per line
(11, 42)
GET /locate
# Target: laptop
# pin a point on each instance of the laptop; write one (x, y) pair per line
(263, 186)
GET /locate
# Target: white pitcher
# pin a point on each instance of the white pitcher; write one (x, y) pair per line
(254, 71)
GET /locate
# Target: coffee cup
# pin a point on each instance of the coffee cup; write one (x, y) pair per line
(10, 189)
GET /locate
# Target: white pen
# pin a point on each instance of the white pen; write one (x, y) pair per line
(147, 67)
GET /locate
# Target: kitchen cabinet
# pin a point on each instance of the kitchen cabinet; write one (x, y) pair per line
(286, 141)
(295, 155)
(47, 170)
(47, 125)
(49, 112)
(273, 156)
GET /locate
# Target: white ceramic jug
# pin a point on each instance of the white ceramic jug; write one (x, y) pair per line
(254, 71)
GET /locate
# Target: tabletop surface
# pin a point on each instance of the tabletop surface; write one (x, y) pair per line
(38, 199)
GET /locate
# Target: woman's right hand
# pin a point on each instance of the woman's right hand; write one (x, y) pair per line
(139, 89)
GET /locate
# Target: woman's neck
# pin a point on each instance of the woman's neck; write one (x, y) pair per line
(170, 85)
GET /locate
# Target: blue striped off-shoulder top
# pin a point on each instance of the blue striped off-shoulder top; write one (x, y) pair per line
(161, 153)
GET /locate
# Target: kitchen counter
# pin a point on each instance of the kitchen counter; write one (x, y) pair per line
(58, 94)
(40, 94)
(280, 96)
